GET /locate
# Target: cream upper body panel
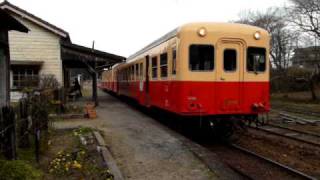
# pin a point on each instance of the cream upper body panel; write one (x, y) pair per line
(216, 33)
(219, 35)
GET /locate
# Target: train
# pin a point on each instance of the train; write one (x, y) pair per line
(217, 71)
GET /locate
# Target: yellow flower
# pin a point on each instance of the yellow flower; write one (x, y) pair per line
(76, 165)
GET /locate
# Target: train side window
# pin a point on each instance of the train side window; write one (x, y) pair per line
(174, 61)
(256, 59)
(154, 67)
(230, 60)
(141, 70)
(127, 74)
(132, 72)
(137, 71)
(201, 57)
(164, 65)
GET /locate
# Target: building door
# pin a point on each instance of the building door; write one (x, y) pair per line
(229, 65)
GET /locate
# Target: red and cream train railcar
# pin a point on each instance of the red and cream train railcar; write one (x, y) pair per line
(202, 69)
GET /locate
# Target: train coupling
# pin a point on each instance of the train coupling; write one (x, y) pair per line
(259, 107)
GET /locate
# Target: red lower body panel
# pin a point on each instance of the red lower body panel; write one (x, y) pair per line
(199, 98)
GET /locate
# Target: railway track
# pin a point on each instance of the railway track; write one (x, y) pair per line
(288, 169)
(304, 137)
(297, 110)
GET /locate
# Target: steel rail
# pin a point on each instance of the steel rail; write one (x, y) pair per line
(287, 168)
(294, 130)
(297, 110)
(286, 136)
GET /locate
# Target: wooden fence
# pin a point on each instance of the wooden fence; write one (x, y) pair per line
(27, 121)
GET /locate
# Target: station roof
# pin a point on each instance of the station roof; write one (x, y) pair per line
(71, 53)
(23, 13)
(10, 23)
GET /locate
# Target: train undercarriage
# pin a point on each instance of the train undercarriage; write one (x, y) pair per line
(224, 126)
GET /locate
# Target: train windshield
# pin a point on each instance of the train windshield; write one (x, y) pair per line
(256, 59)
(201, 57)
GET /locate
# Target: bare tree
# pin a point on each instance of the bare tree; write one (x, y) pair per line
(306, 15)
(283, 39)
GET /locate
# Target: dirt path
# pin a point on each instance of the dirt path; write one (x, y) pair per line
(142, 147)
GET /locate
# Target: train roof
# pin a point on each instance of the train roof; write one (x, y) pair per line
(226, 27)
(163, 39)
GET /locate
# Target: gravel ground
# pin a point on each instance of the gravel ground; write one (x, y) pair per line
(142, 147)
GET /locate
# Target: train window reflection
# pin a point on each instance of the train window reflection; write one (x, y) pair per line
(230, 59)
(256, 59)
(201, 57)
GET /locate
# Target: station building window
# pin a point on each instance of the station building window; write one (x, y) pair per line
(230, 60)
(256, 59)
(164, 65)
(201, 57)
(174, 61)
(25, 77)
(154, 67)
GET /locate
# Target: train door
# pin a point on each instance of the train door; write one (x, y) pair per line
(147, 95)
(229, 65)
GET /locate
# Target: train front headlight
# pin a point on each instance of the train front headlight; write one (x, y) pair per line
(257, 35)
(202, 32)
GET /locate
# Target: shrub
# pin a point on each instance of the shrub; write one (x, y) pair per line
(17, 170)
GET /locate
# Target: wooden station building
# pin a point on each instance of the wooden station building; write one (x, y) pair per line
(48, 50)
(8, 23)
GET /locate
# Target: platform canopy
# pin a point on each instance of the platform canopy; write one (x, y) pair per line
(75, 56)
(94, 61)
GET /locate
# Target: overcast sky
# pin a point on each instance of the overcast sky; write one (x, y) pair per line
(125, 26)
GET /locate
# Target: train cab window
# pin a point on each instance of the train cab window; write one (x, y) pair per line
(174, 61)
(155, 67)
(256, 59)
(201, 57)
(230, 60)
(164, 65)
